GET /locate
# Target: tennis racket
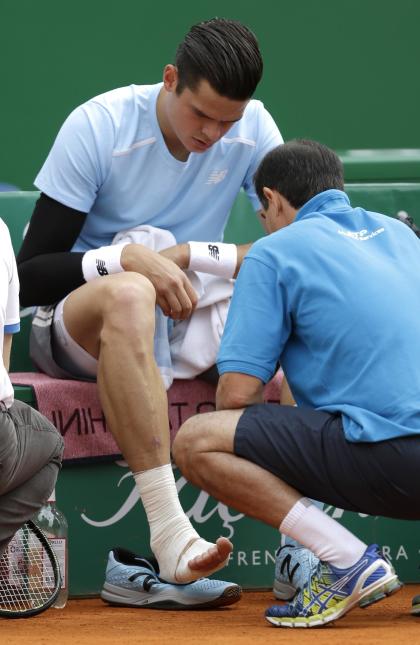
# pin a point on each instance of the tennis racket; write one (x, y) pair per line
(29, 574)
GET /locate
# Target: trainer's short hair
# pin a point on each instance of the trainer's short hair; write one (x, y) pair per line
(223, 52)
(299, 170)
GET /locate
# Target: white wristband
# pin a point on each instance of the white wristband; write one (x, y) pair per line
(217, 258)
(102, 261)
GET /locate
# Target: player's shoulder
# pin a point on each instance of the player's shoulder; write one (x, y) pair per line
(125, 101)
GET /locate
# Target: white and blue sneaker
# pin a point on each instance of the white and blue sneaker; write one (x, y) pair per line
(133, 580)
(331, 592)
(294, 568)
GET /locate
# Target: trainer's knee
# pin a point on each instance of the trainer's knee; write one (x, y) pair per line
(188, 444)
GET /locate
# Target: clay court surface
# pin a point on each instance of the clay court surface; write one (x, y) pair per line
(84, 622)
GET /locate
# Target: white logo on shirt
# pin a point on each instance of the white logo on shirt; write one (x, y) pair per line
(362, 235)
(216, 176)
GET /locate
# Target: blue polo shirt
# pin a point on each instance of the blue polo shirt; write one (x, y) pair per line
(335, 297)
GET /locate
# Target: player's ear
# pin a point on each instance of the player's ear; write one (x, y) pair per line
(170, 78)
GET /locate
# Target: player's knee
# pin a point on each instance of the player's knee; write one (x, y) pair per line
(129, 301)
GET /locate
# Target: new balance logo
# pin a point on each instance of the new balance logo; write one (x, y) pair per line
(101, 267)
(214, 251)
(216, 176)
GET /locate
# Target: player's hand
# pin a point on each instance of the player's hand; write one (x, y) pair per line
(180, 254)
(174, 292)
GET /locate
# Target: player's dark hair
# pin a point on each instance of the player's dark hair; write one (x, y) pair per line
(299, 170)
(223, 52)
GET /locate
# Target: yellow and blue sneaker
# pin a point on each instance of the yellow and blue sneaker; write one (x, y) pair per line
(295, 565)
(132, 580)
(331, 592)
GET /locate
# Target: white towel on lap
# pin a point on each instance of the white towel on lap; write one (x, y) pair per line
(186, 348)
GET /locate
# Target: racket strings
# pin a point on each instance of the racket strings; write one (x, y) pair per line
(26, 574)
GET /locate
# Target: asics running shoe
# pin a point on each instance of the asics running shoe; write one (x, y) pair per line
(133, 580)
(295, 566)
(332, 592)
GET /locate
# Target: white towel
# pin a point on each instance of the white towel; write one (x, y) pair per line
(186, 348)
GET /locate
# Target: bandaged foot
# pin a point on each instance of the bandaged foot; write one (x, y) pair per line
(183, 556)
(198, 559)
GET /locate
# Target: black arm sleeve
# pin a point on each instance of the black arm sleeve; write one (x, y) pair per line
(48, 270)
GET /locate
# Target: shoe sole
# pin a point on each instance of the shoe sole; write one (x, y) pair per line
(375, 592)
(114, 596)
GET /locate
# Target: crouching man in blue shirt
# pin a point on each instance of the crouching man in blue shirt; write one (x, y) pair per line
(332, 293)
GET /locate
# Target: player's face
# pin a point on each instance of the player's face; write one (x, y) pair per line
(198, 118)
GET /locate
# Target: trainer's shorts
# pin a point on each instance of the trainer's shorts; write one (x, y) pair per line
(308, 450)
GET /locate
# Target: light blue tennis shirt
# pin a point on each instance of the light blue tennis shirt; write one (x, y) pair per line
(335, 297)
(110, 160)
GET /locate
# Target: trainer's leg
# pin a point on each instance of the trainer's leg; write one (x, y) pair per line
(113, 319)
(204, 451)
(30, 459)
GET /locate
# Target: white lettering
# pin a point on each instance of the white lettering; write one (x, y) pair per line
(256, 558)
(269, 558)
(401, 553)
(242, 558)
(387, 552)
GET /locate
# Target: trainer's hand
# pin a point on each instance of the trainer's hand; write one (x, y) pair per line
(174, 292)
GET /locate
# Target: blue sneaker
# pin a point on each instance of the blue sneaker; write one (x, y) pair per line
(133, 580)
(295, 565)
(332, 592)
(415, 606)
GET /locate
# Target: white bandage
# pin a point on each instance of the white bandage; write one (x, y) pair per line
(102, 261)
(213, 257)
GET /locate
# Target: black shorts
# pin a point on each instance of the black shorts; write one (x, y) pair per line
(308, 450)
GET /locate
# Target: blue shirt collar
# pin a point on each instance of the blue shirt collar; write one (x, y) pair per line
(327, 200)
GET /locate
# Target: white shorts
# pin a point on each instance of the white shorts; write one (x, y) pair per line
(68, 354)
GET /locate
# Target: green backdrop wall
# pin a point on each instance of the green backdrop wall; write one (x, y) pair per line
(341, 71)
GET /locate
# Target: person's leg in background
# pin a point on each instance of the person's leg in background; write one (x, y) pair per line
(30, 458)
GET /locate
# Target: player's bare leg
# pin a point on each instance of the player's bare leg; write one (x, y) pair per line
(113, 318)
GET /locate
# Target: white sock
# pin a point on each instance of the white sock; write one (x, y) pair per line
(321, 534)
(173, 539)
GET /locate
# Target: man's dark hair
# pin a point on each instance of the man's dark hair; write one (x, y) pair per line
(223, 52)
(299, 170)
